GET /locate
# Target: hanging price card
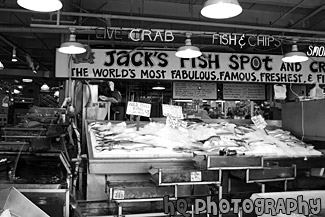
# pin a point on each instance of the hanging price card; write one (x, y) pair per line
(172, 110)
(138, 108)
(259, 121)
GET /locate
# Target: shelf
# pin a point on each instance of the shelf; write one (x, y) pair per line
(266, 174)
(24, 129)
(216, 162)
(26, 137)
(138, 191)
(13, 143)
(182, 176)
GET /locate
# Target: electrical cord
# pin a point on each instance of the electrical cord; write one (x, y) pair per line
(302, 114)
(293, 91)
(302, 121)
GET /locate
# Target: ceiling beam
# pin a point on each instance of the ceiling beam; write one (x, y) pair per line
(287, 13)
(25, 73)
(21, 50)
(179, 21)
(308, 16)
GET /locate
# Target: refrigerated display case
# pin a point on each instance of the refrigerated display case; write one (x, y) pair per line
(120, 159)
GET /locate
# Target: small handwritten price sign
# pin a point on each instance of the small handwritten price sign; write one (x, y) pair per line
(172, 110)
(138, 108)
(259, 121)
(175, 122)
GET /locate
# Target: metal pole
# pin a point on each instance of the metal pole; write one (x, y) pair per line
(187, 22)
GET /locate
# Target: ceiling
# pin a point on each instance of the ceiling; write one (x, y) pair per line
(37, 35)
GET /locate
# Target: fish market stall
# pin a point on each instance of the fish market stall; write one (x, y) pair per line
(118, 152)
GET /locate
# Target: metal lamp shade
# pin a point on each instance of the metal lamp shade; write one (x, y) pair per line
(221, 9)
(41, 5)
(188, 51)
(294, 56)
(72, 47)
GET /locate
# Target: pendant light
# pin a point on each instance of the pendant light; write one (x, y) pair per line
(27, 80)
(72, 46)
(14, 56)
(57, 93)
(221, 9)
(294, 56)
(158, 87)
(188, 50)
(16, 91)
(41, 5)
(45, 87)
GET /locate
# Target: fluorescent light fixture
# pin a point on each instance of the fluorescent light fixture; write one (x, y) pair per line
(72, 46)
(221, 9)
(188, 50)
(1, 66)
(158, 88)
(294, 56)
(14, 57)
(41, 5)
(183, 100)
(27, 80)
(45, 87)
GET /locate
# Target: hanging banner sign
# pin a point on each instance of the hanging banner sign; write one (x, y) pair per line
(164, 65)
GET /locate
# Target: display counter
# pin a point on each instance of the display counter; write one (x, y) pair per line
(120, 152)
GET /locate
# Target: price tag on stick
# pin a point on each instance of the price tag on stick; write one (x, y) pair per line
(172, 110)
(259, 121)
(138, 108)
(175, 122)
